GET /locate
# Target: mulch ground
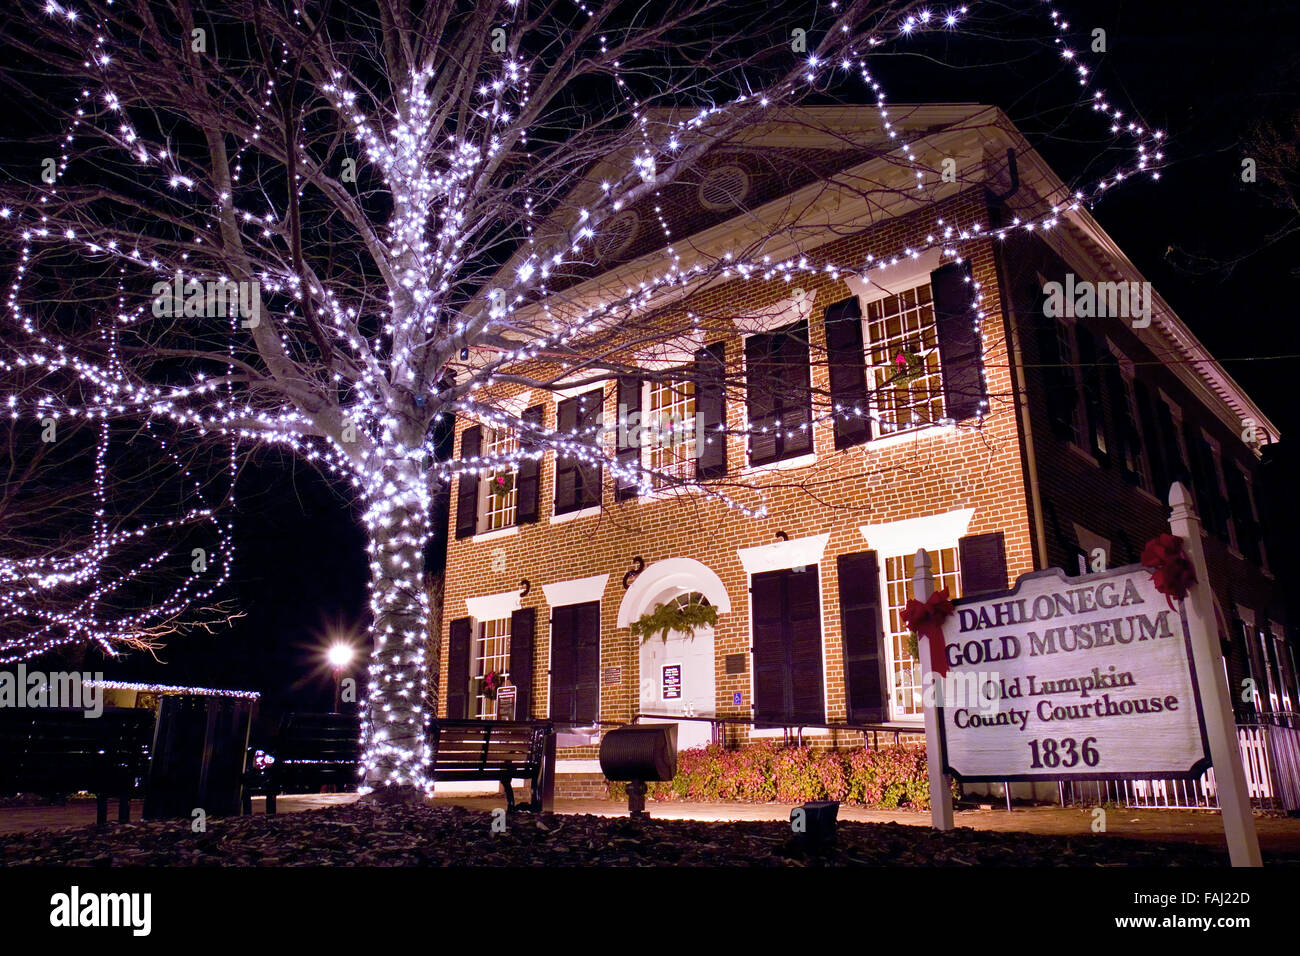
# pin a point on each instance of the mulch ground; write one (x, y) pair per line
(362, 835)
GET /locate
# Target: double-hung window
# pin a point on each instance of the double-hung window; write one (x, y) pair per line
(499, 489)
(903, 356)
(491, 658)
(668, 435)
(905, 670)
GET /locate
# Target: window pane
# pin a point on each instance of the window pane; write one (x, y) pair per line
(499, 486)
(491, 656)
(904, 353)
(905, 670)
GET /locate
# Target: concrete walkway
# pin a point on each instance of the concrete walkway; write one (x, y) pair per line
(1276, 834)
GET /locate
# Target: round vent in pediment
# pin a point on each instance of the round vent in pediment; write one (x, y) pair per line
(617, 233)
(724, 187)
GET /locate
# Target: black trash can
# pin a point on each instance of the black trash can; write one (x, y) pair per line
(197, 760)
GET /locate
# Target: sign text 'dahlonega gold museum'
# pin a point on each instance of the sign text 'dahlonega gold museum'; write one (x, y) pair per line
(1070, 678)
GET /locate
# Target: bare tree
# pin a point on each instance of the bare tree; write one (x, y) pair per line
(331, 227)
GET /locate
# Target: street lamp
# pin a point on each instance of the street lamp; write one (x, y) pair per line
(339, 655)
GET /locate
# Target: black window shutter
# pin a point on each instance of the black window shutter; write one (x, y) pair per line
(846, 363)
(761, 371)
(590, 412)
(1242, 517)
(964, 393)
(1058, 378)
(562, 675)
(522, 623)
(1152, 443)
(1178, 469)
(471, 443)
(795, 394)
(983, 560)
(787, 647)
(711, 407)
(529, 480)
(1089, 361)
(586, 685)
(1127, 447)
(566, 466)
(629, 426)
(575, 663)
(804, 610)
(862, 629)
(770, 675)
(1205, 479)
(460, 634)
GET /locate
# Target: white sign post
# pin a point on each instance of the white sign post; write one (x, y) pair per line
(1229, 775)
(940, 783)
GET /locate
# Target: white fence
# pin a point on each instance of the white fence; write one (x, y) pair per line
(1270, 754)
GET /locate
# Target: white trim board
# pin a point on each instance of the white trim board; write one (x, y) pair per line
(576, 590)
(933, 532)
(795, 553)
(492, 607)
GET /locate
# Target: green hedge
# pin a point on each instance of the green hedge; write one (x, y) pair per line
(765, 772)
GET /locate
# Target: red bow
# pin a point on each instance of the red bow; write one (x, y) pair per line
(1171, 570)
(926, 618)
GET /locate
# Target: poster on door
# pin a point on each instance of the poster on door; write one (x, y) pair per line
(672, 683)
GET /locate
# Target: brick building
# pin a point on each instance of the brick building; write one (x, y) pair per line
(933, 405)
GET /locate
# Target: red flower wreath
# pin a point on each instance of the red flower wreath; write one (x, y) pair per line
(491, 684)
(926, 618)
(1171, 569)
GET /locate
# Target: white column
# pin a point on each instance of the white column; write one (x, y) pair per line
(931, 684)
(1211, 678)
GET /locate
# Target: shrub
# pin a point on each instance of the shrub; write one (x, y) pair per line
(764, 772)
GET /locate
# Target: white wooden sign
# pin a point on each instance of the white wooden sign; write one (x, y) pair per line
(1070, 679)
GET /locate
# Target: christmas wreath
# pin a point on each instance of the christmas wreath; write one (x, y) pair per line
(684, 616)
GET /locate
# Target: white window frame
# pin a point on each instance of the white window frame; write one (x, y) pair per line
(485, 493)
(478, 662)
(902, 282)
(883, 590)
(646, 449)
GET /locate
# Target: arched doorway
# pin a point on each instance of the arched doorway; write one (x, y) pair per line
(677, 674)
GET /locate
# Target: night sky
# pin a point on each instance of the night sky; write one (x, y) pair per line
(1202, 72)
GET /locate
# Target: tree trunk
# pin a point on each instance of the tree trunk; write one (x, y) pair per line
(394, 753)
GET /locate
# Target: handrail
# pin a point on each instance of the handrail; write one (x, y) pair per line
(719, 722)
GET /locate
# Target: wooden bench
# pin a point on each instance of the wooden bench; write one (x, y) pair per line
(310, 751)
(497, 750)
(57, 751)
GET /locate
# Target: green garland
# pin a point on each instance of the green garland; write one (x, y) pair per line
(687, 618)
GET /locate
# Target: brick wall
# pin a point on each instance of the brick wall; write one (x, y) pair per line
(976, 466)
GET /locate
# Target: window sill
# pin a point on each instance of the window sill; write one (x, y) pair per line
(911, 434)
(785, 464)
(574, 515)
(1147, 494)
(1087, 456)
(493, 535)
